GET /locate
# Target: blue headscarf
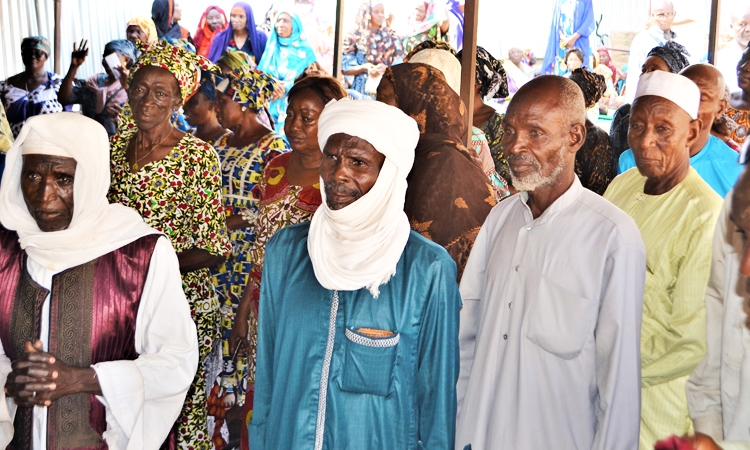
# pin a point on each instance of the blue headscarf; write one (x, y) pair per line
(256, 37)
(122, 47)
(286, 58)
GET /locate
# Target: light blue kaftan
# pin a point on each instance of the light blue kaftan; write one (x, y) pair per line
(396, 392)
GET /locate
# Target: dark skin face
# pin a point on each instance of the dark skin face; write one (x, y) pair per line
(743, 71)
(301, 126)
(377, 16)
(198, 110)
(238, 18)
(654, 63)
(214, 19)
(349, 169)
(230, 113)
(33, 59)
(284, 25)
(154, 95)
(515, 55)
(47, 187)
(135, 34)
(660, 135)
(386, 92)
(709, 81)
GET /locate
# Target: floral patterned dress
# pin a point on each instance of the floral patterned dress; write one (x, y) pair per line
(180, 196)
(281, 205)
(241, 170)
(742, 118)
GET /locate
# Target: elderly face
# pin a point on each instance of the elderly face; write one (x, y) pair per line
(284, 25)
(741, 27)
(663, 15)
(386, 92)
(135, 34)
(654, 63)
(154, 95)
(214, 19)
(660, 135)
(536, 137)
(47, 187)
(349, 169)
(711, 85)
(515, 55)
(301, 125)
(230, 113)
(238, 18)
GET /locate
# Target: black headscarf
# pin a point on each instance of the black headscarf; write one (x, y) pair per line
(490, 75)
(674, 54)
(162, 13)
(592, 84)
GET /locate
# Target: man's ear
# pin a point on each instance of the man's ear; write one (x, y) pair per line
(693, 132)
(577, 137)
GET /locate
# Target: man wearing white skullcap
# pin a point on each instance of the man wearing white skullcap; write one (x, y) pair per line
(97, 347)
(676, 211)
(358, 323)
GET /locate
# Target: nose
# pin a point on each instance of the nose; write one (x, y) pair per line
(46, 194)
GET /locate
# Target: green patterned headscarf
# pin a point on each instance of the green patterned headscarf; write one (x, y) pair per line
(36, 43)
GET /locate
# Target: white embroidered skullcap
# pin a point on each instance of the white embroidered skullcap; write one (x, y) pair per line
(676, 88)
(385, 127)
(36, 144)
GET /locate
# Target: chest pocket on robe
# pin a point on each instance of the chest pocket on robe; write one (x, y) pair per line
(368, 364)
(559, 321)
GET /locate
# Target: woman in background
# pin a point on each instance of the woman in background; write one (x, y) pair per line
(288, 54)
(33, 91)
(242, 35)
(370, 49)
(212, 22)
(103, 95)
(428, 23)
(142, 29)
(166, 15)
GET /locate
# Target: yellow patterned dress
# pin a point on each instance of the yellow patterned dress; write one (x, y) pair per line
(241, 170)
(180, 196)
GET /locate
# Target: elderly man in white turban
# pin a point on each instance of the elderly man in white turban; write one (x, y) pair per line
(676, 211)
(97, 347)
(358, 326)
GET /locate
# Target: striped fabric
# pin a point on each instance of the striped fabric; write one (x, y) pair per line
(677, 228)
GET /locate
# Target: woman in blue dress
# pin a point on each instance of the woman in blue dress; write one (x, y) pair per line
(572, 24)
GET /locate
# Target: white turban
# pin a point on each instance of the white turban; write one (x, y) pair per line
(97, 227)
(444, 61)
(676, 88)
(360, 245)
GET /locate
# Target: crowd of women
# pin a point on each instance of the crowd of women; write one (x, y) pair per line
(214, 142)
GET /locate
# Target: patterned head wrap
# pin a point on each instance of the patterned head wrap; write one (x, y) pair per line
(181, 43)
(235, 60)
(248, 87)
(490, 75)
(36, 43)
(121, 47)
(674, 54)
(184, 65)
(592, 84)
(146, 24)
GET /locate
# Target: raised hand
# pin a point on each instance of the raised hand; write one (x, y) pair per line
(80, 52)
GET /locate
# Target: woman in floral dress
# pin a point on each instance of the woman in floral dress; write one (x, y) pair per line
(173, 180)
(242, 100)
(288, 193)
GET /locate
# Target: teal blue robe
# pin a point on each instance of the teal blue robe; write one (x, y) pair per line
(388, 393)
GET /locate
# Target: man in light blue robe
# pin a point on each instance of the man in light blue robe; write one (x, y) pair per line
(572, 24)
(358, 321)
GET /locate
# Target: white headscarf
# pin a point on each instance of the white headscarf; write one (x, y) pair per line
(444, 61)
(97, 227)
(360, 245)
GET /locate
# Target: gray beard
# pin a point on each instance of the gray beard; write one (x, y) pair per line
(537, 180)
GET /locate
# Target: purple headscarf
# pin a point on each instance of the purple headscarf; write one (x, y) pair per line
(256, 37)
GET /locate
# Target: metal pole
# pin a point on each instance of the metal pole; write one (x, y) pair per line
(338, 40)
(713, 34)
(58, 35)
(468, 62)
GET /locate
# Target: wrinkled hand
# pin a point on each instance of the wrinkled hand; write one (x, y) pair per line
(80, 52)
(39, 378)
